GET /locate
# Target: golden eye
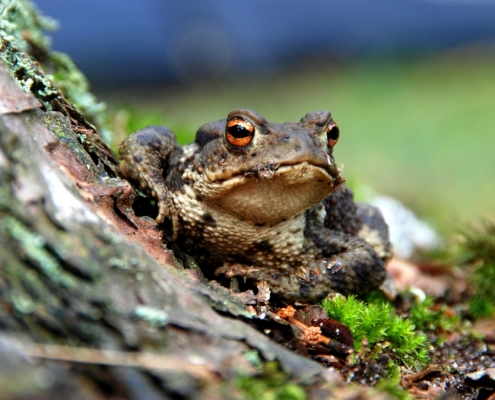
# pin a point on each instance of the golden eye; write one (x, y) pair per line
(239, 132)
(333, 134)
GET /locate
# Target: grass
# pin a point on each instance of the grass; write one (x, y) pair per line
(420, 129)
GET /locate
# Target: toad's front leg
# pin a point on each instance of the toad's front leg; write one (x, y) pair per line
(352, 265)
(146, 155)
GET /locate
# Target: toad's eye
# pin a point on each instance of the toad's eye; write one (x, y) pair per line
(239, 132)
(333, 134)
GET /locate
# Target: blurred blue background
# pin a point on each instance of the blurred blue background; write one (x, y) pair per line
(149, 40)
(411, 83)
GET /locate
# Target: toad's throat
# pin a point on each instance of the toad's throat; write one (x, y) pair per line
(271, 196)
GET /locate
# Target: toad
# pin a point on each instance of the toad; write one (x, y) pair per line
(263, 202)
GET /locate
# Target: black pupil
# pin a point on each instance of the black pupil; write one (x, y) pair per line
(333, 133)
(239, 131)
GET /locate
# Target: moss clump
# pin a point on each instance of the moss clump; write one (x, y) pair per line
(428, 318)
(392, 386)
(381, 327)
(478, 253)
(270, 384)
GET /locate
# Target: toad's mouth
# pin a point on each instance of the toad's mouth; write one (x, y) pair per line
(272, 195)
(291, 173)
(227, 171)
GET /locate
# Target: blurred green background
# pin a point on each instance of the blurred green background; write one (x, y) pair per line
(421, 129)
(411, 84)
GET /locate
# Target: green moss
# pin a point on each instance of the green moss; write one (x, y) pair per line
(481, 307)
(271, 384)
(429, 319)
(391, 385)
(383, 329)
(478, 254)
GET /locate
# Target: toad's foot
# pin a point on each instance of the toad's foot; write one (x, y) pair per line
(145, 157)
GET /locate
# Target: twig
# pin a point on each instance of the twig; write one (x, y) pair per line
(116, 358)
